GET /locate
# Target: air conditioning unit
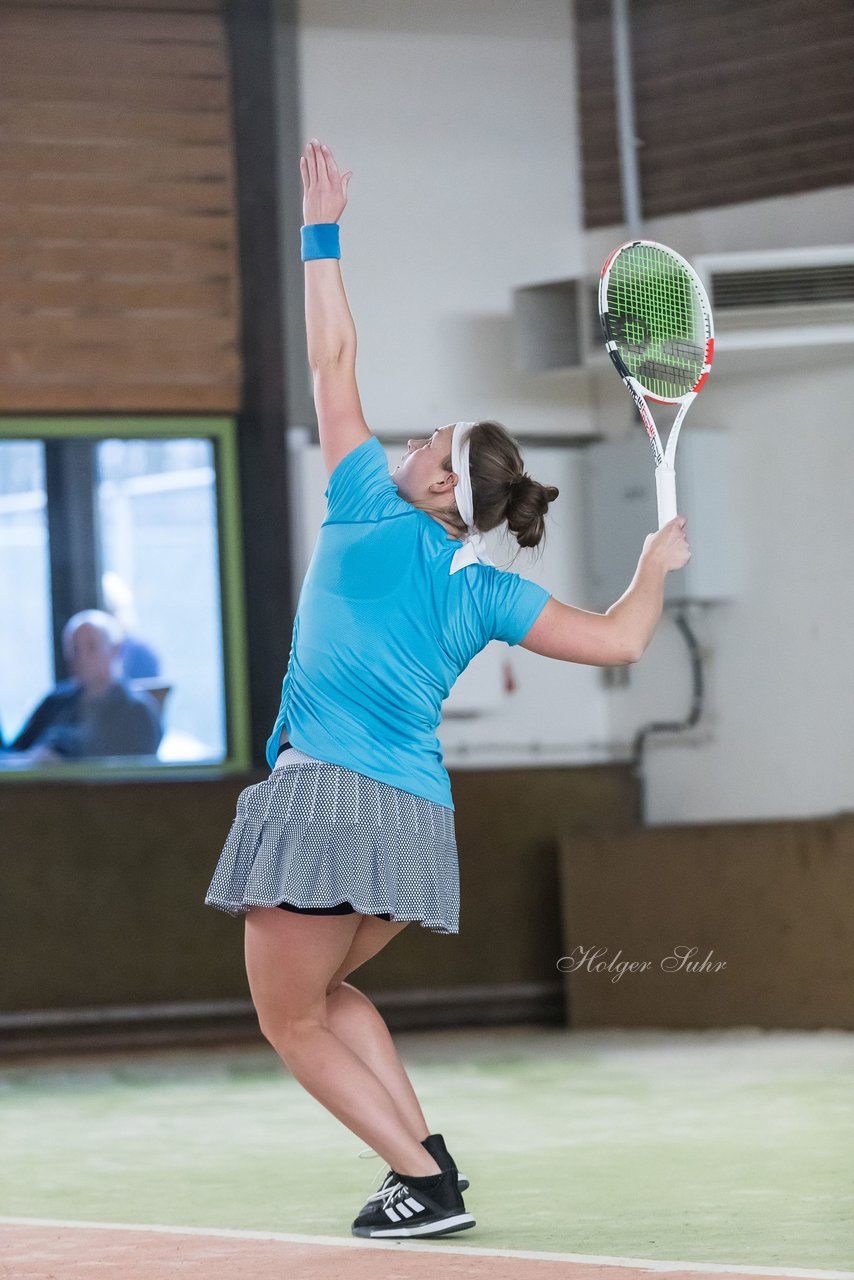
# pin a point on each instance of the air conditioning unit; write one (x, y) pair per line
(780, 297)
(761, 301)
(557, 326)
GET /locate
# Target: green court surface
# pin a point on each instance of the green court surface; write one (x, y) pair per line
(730, 1146)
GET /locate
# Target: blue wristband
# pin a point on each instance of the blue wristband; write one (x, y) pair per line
(320, 240)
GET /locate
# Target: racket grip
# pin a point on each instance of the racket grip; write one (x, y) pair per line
(665, 490)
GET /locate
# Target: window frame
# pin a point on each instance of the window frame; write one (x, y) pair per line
(222, 433)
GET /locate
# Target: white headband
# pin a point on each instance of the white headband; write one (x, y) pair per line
(473, 550)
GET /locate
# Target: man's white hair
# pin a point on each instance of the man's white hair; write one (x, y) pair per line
(103, 622)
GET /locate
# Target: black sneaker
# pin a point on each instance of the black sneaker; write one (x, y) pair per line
(408, 1209)
(435, 1144)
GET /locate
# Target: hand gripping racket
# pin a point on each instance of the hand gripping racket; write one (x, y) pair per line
(658, 331)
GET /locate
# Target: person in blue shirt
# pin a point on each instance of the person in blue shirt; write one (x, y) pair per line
(352, 835)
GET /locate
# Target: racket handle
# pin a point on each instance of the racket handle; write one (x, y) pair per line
(665, 489)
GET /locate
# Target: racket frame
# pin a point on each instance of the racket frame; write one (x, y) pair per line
(665, 474)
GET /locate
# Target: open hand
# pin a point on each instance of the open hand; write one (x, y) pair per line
(324, 188)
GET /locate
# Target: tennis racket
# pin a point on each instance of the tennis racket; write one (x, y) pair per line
(658, 332)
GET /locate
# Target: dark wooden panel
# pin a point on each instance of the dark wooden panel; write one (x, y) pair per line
(152, 159)
(151, 850)
(48, 55)
(118, 257)
(170, 6)
(754, 96)
(744, 28)
(197, 395)
(76, 191)
(202, 92)
(734, 101)
(144, 332)
(119, 261)
(81, 123)
(17, 19)
(160, 365)
(771, 899)
(206, 297)
(123, 224)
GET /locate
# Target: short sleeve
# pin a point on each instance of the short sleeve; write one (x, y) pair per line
(510, 604)
(361, 489)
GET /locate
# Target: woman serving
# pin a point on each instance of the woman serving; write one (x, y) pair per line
(351, 837)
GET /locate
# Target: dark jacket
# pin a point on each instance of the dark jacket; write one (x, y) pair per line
(117, 723)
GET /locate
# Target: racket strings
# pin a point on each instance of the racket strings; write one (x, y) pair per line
(656, 320)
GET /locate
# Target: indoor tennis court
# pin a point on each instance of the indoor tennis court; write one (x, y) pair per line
(470, 645)
(727, 1148)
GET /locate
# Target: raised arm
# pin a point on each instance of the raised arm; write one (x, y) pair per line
(621, 634)
(330, 331)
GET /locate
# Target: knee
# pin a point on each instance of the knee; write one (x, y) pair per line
(284, 1030)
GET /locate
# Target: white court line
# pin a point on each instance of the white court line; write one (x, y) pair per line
(414, 1246)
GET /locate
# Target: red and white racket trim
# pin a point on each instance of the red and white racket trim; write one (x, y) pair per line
(665, 474)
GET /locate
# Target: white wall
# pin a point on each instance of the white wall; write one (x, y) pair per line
(459, 123)
(777, 735)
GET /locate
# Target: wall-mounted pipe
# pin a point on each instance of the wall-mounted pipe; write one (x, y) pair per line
(627, 140)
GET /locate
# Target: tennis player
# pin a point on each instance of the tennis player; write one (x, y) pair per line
(351, 837)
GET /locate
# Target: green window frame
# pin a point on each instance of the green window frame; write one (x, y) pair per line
(222, 433)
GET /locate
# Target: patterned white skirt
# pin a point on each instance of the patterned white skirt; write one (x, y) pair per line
(315, 834)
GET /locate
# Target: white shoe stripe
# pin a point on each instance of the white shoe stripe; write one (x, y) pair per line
(391, 1214)
(405, 1210)
(413, 1202)
(424, 1228)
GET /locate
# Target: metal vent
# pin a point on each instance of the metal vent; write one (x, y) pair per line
(785, 286)
(547, 325)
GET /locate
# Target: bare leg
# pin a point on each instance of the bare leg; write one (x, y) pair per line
(290, 961)
(358, 1023)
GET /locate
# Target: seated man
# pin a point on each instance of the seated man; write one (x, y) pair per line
(94, 713)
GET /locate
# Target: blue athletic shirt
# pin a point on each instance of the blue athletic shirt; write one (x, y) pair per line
(383, 629)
